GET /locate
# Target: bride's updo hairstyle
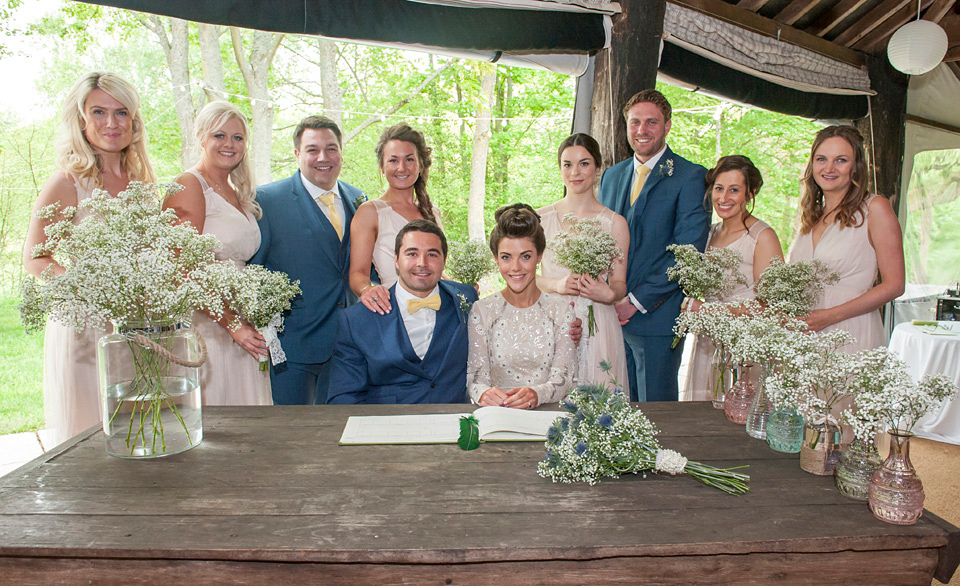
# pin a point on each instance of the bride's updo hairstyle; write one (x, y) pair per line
(517, 221)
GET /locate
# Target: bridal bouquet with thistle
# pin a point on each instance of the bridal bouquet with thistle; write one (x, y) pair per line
(603, 436)
(261, 298)
(585, 248)
(793, 288)
(468, 261)
(705, 275)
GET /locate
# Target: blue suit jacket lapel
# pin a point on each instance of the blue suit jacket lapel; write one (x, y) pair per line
(652, 179)
(446, 330)
(394, 334)
(321, 228)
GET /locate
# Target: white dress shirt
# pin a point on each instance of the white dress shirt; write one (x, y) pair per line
(419, 325)
(316, 191)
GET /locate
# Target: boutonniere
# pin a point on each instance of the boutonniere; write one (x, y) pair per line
(464, 306)
(359, 200)
(666, 168)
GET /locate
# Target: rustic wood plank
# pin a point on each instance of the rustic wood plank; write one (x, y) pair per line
(834, 16)
(938, 10)
(796, 10)
(752, 5)
(869, 22)
(876, 40)
(843, 568)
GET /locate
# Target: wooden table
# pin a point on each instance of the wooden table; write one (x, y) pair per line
(270, 498)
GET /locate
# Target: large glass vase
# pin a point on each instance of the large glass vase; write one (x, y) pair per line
(895, 491)
(150, 389)
(736, 405)
(855, 468)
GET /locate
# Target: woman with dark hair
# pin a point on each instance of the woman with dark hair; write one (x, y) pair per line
(521, 354)
(855, 233)
(732, 187)
(404, 160)
(579, 160)
(101, 144)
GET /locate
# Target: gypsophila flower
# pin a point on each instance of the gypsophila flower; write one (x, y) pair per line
(666, 168)
(705, 275)
(464, 305)
(793, 288)
(606, 437)
(670, 462)
(468, 261)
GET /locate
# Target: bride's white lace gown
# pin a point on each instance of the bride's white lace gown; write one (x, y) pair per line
(521, 347)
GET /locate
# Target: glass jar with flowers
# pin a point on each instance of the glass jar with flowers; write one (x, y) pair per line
(887, 398)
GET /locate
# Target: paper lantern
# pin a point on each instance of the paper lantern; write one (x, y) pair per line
(917, 47)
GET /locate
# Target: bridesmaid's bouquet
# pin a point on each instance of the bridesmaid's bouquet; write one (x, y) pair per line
(261, 298)
(705, 275)
(468, 261)
(794, 288)
(586, 248)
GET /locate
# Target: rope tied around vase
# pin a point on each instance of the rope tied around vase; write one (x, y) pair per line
(147, 342)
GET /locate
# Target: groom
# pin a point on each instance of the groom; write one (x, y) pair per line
(661, 196)
(417, 352)
(305, 232)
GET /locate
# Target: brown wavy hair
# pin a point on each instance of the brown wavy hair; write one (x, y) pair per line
(403, 132)
(517, 221)
(752, 179)
(811, 200)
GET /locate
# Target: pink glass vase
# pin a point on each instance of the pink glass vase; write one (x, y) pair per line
(895, 491)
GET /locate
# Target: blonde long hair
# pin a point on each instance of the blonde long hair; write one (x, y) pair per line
(74, 153)
(211, 119)
(811, 201)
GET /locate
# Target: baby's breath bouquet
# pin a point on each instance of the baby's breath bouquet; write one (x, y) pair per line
(886, 397)
(793, 288)
(603, 436)
(705, 275)
(131, 263)
(468, 261)
(585, 248)
(261, 298)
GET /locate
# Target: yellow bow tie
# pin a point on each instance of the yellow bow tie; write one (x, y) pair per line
(431, 302)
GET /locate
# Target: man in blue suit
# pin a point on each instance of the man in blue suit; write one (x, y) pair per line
(661, 195)
(416, 352)
(305, 232)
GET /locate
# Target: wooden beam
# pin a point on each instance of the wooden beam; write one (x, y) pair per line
(771, 28)
(876, 40)
(794, 11)
(952, 56)
(834, 16)
(938, 10)
(751, 5)
(870, 21)
(628, 66)
(884, 130)
(933, 124)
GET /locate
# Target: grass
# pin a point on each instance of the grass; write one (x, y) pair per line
(21, 372)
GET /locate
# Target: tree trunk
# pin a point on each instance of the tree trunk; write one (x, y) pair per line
(256, 76)
(329, 85)
(176, 47)
(212, 63)
(481, 147)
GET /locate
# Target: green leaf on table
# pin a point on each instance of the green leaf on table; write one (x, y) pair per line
(469, 433)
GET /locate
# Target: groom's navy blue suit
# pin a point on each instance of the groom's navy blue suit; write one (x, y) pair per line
(298, 239)
(669, 210)
(374, 361)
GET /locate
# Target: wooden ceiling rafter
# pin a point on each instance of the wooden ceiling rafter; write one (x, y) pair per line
(796, 10)
(877, 39)
(872, 20)
(938, 10)
(834, 16)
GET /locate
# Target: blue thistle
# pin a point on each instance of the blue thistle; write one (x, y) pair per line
(580, 448)
(605, 420)
(554, 435)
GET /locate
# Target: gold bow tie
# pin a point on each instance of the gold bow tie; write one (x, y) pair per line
(431, 302)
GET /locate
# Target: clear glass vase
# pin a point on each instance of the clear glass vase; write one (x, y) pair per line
(895, 491)
(855, 468)
(821, 446)
(150, 389)
(736, 405)
(721, 372)
(785, 431)
(760, 409)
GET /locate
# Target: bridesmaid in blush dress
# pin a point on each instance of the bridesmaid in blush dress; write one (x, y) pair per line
(855, 233)
(732, 187)
(404, 159)
(218, 198)
(101, 144)
(579, 160)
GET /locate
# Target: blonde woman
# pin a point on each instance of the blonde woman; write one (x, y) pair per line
(218, 198)
(101, 144)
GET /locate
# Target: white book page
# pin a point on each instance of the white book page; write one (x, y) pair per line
(442, 428)
(505, 424)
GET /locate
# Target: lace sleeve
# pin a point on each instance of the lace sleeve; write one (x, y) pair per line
(478, 361)
(563, 368)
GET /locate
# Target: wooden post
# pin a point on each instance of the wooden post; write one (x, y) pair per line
(884, 131)
(628, 66)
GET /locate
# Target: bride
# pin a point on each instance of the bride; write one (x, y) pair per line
(521, 354)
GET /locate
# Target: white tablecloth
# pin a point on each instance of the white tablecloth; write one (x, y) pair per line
(928, 350)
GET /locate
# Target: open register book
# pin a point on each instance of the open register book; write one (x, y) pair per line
(497, 424)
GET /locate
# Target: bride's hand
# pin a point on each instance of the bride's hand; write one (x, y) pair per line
(492, 397)
(521, 398)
